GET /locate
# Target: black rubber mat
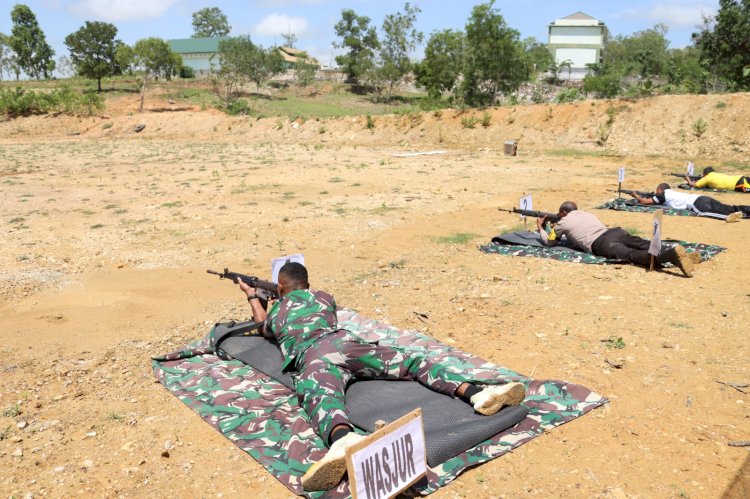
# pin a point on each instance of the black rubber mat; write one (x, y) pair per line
(451, 426)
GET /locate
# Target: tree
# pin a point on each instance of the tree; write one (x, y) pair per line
(290, 39)
(125, 58)
(399, 39)
(152, 57)
(93, 50)
(644, 53)
(495, 60)
(724, 42)
(440, 69)
(65, 67)
(4, 55)
(241, 61)
(538, 54)
(557, 67)
(33, 55)
(304, 69)
(210, 22)
(360, 39)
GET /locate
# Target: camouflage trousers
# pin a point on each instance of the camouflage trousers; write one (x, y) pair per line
(325, 369)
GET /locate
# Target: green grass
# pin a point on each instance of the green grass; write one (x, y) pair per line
(614, 342)
(456, 238)
(573, 153)
(736, 166)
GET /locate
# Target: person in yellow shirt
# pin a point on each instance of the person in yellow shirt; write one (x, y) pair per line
(720, 181)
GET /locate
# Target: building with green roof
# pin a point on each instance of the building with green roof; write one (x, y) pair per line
(198, 53)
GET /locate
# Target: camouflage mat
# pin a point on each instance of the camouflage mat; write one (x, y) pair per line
(622, 204)
(707, 252)
(263, 418)
(687, 187)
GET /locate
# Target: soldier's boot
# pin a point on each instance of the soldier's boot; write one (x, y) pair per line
(695, 257)
(493, 398)
(328, 472)
(677, 256)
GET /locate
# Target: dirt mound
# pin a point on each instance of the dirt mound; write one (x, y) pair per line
(707, 126)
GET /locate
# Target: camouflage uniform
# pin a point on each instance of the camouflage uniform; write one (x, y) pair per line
(327, 358)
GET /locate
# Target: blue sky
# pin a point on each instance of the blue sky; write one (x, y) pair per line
(312, 20)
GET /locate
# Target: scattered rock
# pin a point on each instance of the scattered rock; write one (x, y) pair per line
(18, 452)
(139, 128)
(88, 464)
(21, 425)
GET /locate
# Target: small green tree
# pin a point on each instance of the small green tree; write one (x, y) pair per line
(399, 39)
(440, 69)
(152, 58)
(538, 54)
(495, 60)
(290, 39)
(93, 50)
(235, 65)
(360, 39)
(304, 70)
(210, 22)
(5, 55)
(241, 61)
(724, 42)
(33, 54)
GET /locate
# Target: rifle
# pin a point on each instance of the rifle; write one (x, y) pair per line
(640, 193)
(271, 288)
(551, 217)
(683, 175)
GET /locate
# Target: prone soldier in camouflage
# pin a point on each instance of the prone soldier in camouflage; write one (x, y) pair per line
(325, 358)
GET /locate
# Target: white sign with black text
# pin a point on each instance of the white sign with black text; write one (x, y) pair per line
(655, 246)
(621, 175)
(388, 461)
(690, 168)
(525, 203)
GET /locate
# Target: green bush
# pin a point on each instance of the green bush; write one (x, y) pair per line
(16, 102)
(187, 72)
(238, 107)
(568, 95)
(603, 87)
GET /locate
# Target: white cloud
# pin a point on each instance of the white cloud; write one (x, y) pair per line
(121, 10)
(674, 14)
(276, 24)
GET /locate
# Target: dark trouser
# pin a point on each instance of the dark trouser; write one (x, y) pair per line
(618, 244)
(710, 205)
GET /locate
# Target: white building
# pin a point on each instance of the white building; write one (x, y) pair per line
(578, 38)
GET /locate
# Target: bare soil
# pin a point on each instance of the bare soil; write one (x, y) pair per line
(107, 233)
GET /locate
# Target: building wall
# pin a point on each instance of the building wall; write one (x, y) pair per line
(580, 35)
(200, 62)
(577, 43)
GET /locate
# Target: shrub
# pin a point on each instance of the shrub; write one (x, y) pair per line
(603, 87)
(370, 122)
(568, 95)
(238, 107)
(19, 102)
(486, 119)
(469, 121)
(699, 127)
(187, 72)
